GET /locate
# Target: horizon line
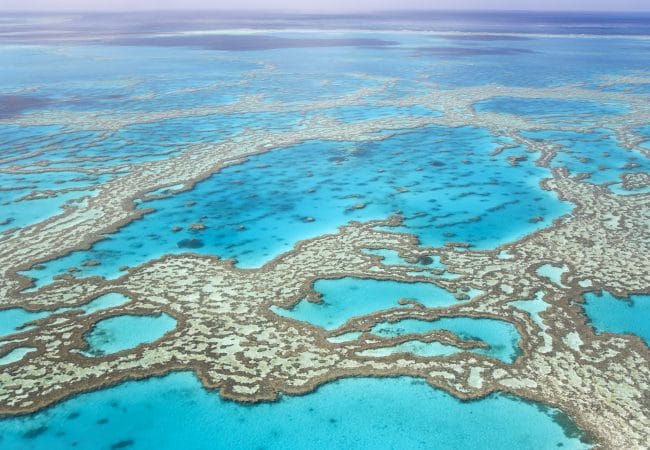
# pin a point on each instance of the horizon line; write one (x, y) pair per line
(323, 12)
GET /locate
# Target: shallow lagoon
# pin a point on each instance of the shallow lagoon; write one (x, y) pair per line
(501, 336)
(14, 319)
(345, 298)
(15, 355)
(611, 314)
(176, 412)
(125, 332)
(11, 320)
(259, 209)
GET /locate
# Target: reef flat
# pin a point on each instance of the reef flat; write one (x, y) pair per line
(224, 322)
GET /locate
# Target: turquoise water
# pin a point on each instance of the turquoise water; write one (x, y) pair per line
(29, 212)
(443, 181)
(11, 320)
(424, 349)
(501, 336)
(557, 111)
(15, 319)
(176, 412)
(15, 355)
(125, 332)
(645, 132)
(345, 298)
(533, 307)
(552, 272)
(19, 212)
(278, 198)
(611, 314)
(105, 301)
(596, 152)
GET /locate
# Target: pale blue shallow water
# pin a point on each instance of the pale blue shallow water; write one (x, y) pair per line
(119, 333)
(534, 307)
(556, 111)
(611, 314)
(105, 301)
(30, 212)
(502, 337)
(15, 355)
(14, 320)
(176, 412)
(345, 298)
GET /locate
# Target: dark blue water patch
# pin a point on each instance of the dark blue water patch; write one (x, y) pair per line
(547, 22)
(190, 243)
(175, 412)
(553, 61)
(14, 105)
(611, 314)
(483, 37)
(241, 43)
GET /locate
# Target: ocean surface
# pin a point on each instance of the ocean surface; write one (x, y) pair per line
(176, 412)
(448, 183)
